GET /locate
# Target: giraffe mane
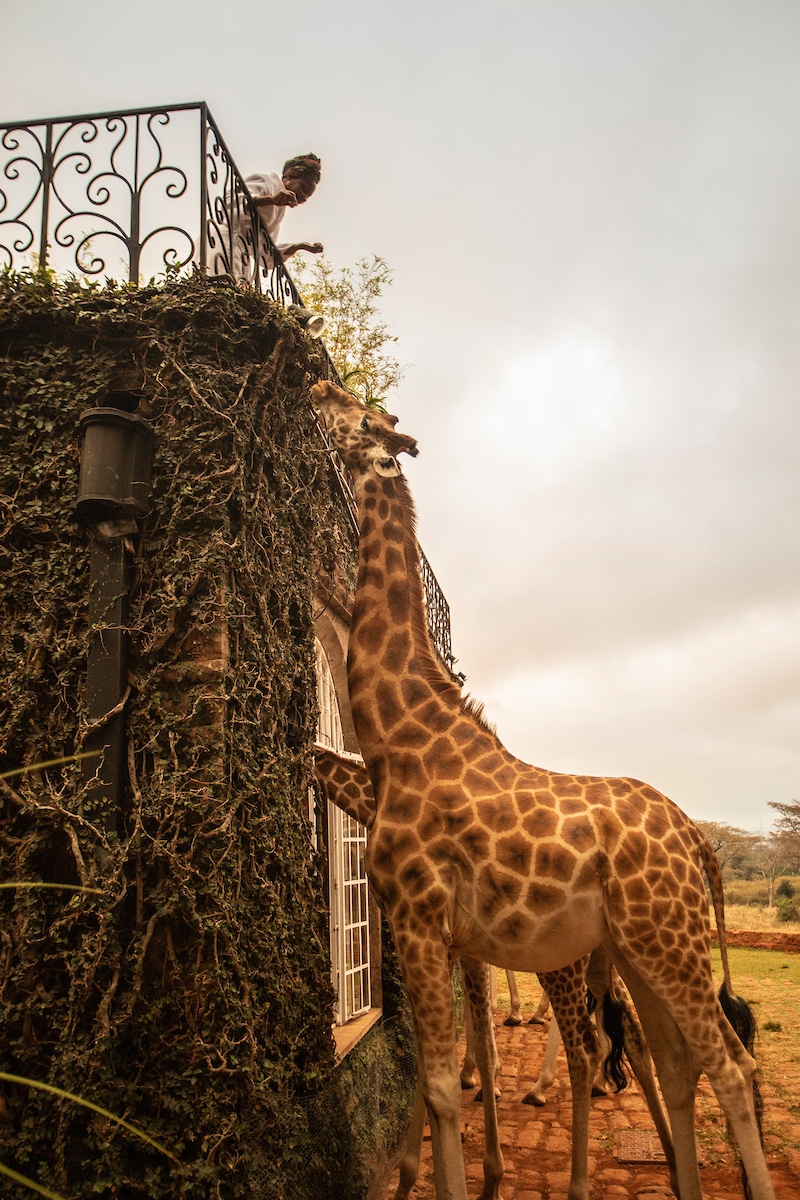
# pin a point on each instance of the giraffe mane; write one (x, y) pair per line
(475, 709)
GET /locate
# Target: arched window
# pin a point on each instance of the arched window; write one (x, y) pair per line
(347, 876)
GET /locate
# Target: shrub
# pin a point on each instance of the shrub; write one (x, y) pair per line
(787, 910)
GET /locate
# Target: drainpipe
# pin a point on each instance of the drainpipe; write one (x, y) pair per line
(113, 494)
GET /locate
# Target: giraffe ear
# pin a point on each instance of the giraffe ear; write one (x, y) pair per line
(387, 467)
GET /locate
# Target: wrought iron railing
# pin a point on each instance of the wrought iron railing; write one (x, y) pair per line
(438, 612)
(129, 195)
(132, 195)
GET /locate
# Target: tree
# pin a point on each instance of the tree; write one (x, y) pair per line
(356, 336)
(728, 843)
(788, 824)
(772, 855)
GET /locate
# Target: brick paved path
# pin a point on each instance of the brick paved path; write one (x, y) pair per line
(536, 1141)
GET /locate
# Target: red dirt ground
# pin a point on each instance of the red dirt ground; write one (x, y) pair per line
(536, 1141)
(764, 941)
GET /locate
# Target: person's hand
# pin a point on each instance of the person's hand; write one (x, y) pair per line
(309, 247)
(282, 199)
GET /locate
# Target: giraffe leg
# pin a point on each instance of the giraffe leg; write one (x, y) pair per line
(731, 1070)
(547, 1071)
(605, 1048)
(476, 979)
(541, 1012)
(426, 970)
(641, 1062)
(733, 1083)
(678, 1077)
(468, 1076)
(626, 1032)
(409, 1163)
(513, 1017)
(566, 989)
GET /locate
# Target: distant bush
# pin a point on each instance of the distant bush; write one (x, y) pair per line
(747, 893)
(785, 888)
(787, 910)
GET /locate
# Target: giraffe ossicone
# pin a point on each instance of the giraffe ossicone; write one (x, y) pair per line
(473, 852)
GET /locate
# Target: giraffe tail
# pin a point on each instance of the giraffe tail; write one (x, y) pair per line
(613, 1023)
(741, 1018)
(738, 1011)
(714, 877)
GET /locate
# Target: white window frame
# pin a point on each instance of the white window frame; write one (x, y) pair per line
(347, 878)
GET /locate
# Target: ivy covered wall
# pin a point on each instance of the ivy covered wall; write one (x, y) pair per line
(192, 995)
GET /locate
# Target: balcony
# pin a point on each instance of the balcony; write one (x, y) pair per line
(129, 196)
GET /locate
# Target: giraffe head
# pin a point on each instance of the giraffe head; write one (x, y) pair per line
(365, 438)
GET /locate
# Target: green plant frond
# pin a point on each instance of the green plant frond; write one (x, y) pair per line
(29, 1183)
(64, 887)
(50, 762)
(366, 396)
(103, 1112)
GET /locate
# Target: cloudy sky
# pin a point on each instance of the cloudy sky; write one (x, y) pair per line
(592, 212)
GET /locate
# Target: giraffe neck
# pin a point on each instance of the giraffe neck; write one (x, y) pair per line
(390, 650)
(345, 782)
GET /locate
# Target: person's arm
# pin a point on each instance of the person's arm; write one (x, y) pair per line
(282, 199)
(269, 189)
(290, 248)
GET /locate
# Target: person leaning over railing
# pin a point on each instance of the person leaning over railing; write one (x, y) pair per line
(273, 194)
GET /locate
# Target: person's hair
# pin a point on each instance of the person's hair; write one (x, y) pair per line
(307, 166)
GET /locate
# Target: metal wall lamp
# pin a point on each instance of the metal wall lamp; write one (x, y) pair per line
(116, 464)
(313, 323)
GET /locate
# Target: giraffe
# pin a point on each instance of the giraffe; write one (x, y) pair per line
(476, 853)
(344, 782)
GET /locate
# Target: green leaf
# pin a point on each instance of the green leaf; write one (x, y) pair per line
(104, 1112)
(29, 1183)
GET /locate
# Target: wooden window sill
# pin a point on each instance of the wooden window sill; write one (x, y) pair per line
(346, 1036)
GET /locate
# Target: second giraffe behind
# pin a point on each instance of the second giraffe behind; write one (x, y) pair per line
(476, 853)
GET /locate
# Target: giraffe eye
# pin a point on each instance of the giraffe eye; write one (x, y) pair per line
(364, 424)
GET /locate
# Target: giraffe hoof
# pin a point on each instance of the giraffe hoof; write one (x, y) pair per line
(535, 1099)
(467, 1083)
(512, 1020)
(536, 1021)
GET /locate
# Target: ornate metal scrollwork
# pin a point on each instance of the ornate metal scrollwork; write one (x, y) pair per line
(98, 188)
(21, 188)
(128, 196)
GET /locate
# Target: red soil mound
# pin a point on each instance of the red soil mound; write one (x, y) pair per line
(756, 940)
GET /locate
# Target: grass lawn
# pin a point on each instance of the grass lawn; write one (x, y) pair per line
(769, 980)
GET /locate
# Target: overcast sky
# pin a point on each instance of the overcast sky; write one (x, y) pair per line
(591, 209)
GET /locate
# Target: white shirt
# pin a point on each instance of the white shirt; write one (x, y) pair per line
(271, 214)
